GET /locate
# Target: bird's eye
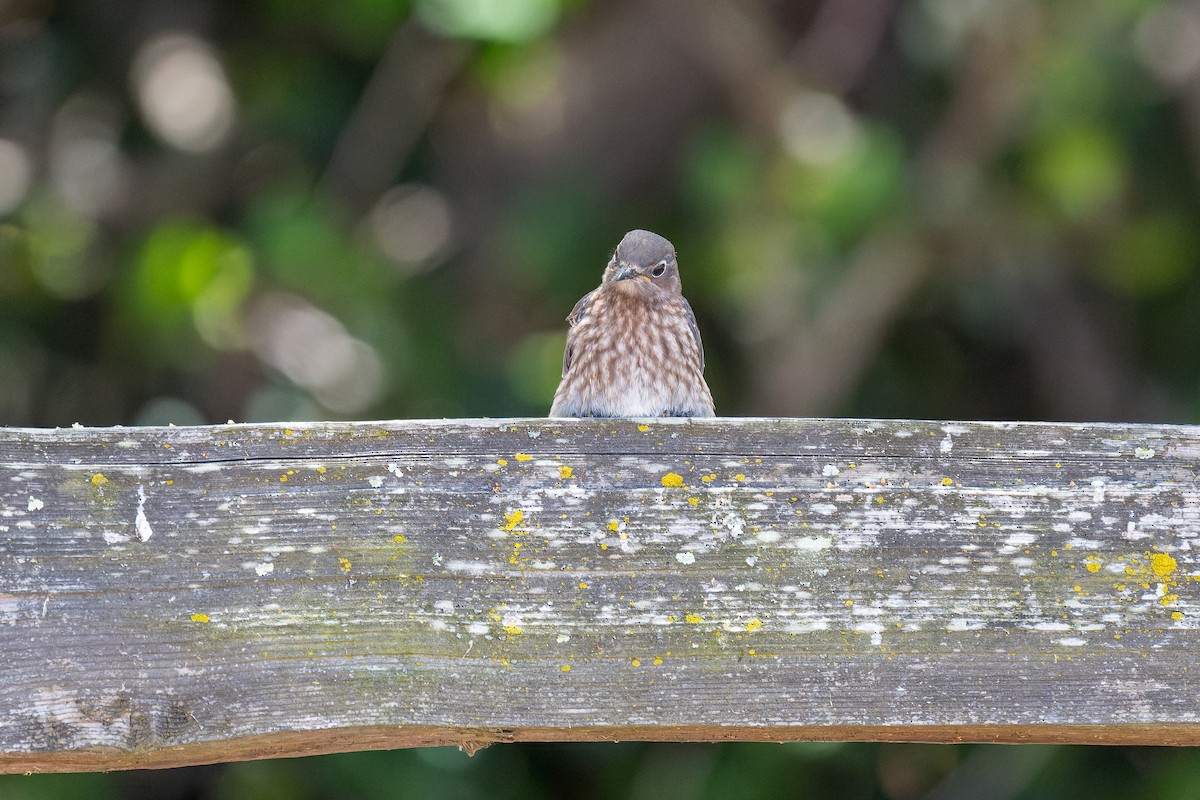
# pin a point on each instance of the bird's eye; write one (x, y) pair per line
(659, 270)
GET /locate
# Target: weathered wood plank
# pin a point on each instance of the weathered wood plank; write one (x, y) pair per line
(183, 595)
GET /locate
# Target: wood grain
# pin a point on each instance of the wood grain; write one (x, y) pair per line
(173, 596)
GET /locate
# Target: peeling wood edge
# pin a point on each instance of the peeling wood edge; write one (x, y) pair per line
(295, 744)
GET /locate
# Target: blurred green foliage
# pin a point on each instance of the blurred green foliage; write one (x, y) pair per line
(379, 208)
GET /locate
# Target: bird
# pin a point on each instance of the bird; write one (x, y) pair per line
(633, 347)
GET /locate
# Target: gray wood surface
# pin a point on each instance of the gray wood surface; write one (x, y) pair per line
(183, 595)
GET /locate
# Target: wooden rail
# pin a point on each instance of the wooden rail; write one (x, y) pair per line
(175, 596)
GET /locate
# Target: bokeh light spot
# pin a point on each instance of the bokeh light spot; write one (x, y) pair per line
(1080, 169)
(510, 21)
(16, 173)
(183, 93)
(1167, 41)
(315, 351)
(411, 225)
(818, 129)
(189, 271)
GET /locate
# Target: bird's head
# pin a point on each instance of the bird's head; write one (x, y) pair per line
(643, 260)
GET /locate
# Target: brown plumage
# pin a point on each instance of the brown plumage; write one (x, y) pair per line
(633, 348)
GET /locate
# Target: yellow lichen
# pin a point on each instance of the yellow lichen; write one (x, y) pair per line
(399, 538)
(512, 519)
(502, 462)
(512, 630)
(344, 564)
(200, 618)
(739, 477)
(694, 501)
(947, 481)
(643, 428)
(613, 525)
(98, 479)
(582, 585)
(658, 661)
(672, 480)
(565, 667)
(693, 618)
(1162, 564)
(1177, 615)
(1092, 566)
(754, 625)
(565, 472)
(709, 478)
(636, 662)
(522, 457)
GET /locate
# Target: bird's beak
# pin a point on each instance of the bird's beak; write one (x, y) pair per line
(628, 272)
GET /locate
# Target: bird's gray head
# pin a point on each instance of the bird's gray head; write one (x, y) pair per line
(646, 257)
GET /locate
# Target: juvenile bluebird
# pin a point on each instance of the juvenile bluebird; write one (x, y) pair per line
(633, 348)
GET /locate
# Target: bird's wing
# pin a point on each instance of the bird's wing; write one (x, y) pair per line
(573, 318)
(695, 330)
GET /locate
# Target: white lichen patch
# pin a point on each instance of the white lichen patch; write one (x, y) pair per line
(730, 524)
(140, 523)
(686, 557)
(810, 543)
(1144, 453)
(1072, 641)
(35, 504)
(960, 625)
(265, 568)
(830, 471)
(867, 611)
(1051, 626)
(468, 567)
(1154, 521)
(444, 607)
(1080, 543)
(375, 481)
